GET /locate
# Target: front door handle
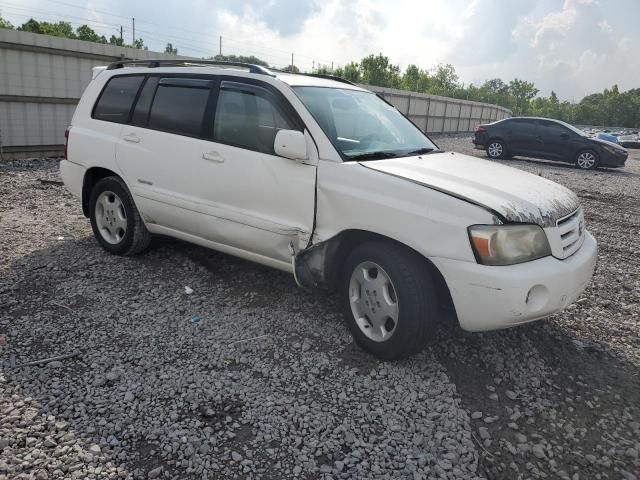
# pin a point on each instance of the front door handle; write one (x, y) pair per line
(132, 137)
(213, 157)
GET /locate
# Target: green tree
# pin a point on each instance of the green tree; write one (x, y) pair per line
(139, 44)
(522, 92)
(240, 58)
(378, 70)
(116, 41)
(59, 29)
(444, 79)
(169, 49)
(84, 32)
(351, 72)
(5, 24)
(415, 79)
(291, 69)
(324, 70)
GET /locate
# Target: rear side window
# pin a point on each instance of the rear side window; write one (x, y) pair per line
(114, 105)
(179, 110)
(552, 127)
(522, 124)
(246, 120)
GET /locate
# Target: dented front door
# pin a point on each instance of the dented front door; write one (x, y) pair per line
(263, 202)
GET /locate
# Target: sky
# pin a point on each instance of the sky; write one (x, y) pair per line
(573, 47)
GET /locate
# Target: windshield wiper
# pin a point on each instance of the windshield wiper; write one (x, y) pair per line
(374, 155)
(422, 151)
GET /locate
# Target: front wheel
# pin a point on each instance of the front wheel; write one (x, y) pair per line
(115, 220)
(388, 299)
(587, 160)
(496, 149)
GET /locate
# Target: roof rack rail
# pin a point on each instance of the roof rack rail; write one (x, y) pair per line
(318, 75)
(190, 63)
(329, 77)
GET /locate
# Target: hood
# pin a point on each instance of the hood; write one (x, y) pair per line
(509, 193)
(608, 143)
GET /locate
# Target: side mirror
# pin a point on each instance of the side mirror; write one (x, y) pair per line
(290, 144)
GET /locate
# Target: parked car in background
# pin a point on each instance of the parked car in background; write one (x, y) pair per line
(607, 137)
(629, 141)
(322, 179)
(547, 139)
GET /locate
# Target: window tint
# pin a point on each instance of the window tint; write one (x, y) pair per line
(249, 121)
(115, 102)
(141, 110)
(553, 128)
(179, 109)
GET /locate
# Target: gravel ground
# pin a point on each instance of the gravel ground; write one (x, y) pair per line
(249, 377)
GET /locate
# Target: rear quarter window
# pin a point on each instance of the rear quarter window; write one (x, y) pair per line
(114, 104)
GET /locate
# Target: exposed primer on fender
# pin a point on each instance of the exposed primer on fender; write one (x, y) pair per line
(510, 194)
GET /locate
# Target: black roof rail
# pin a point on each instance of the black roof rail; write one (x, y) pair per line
(318, 75)
(190, 63)
(329, 77)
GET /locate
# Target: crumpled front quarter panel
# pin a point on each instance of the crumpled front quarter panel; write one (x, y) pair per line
(351, 196)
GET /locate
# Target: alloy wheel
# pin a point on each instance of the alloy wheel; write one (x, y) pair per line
(495, 149)
(586, 160)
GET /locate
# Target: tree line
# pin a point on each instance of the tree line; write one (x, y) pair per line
(611, 107)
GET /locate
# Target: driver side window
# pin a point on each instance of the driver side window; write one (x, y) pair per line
(246, 120)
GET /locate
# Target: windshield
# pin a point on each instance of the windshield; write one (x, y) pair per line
(573, 129)
(362, 126)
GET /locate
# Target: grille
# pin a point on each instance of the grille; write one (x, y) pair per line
(571, 230)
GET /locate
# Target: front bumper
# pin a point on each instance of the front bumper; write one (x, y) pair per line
(614, 160)
(495, 297)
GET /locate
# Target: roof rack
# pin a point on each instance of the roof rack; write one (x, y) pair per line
(318, 75)
(329, 77)
(190, 63)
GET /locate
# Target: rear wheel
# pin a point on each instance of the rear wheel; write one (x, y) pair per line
(388, 299)
(587, 160)
(496, 149)
(115, 221)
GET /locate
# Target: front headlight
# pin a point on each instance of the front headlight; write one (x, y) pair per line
(508, 244)
(611, 150)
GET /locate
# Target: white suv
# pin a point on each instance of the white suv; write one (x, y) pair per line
(318, 177)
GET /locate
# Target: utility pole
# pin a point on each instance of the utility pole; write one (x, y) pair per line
(133, 21)
(121, 40)
(313, 66)
(220, 45)
(331, 67)
(292, 60)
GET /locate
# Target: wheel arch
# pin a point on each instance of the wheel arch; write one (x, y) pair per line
(92, 176)
(319, 266)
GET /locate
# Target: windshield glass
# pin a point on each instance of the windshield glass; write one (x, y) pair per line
(573, 129)
(362, 126)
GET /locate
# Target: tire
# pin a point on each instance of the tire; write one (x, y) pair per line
(383, 274)
(587, 160)
(115, 220)
(496, 149)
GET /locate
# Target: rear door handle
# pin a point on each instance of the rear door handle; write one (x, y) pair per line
(213, 157)
(132, 137)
